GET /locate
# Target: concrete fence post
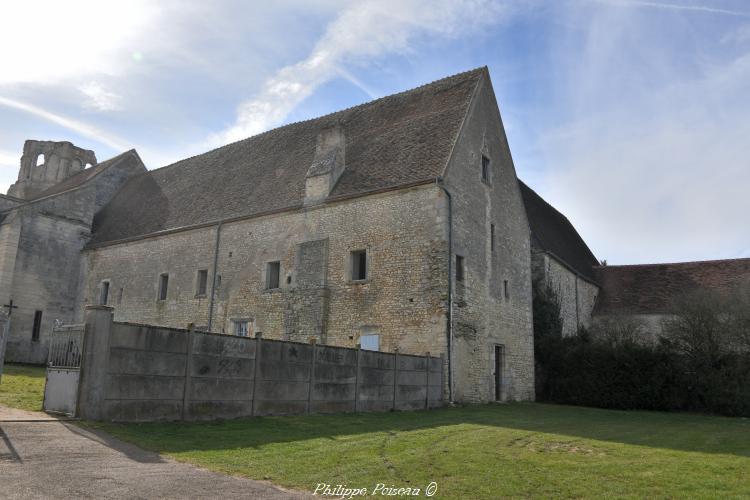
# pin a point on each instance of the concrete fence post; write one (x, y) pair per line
(93, 376)
(427, 385)
(311, 380)
(395, 376)
(256, 371)
(4, 333)
(187, 386)
(356, 378)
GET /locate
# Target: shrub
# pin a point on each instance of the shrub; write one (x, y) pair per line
(700, 364)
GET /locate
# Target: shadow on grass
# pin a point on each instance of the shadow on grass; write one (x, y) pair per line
(675, 431)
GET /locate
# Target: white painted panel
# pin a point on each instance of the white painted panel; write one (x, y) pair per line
(61, 390)
(370, 342)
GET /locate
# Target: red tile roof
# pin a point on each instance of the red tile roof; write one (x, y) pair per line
(650, 288)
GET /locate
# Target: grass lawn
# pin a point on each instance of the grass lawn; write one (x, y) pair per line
(22, 386)
(514, 450)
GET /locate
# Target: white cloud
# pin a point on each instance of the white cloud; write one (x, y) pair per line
(364, 31)
(76, 126)
(100, 98)
(677, 7)
(653, 161)
(51, 41)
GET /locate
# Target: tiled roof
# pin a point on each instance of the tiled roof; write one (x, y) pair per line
(81, 177)
(391, 142)
(650, 288)
(552, 232)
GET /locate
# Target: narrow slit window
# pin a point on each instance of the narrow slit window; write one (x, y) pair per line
(492, 237)
(505, 289)
(37, 326)
(485, 169)
(163, 286)
(273, 270)
(459, 268)
(201, 282)
(359, 265)
(104, 295)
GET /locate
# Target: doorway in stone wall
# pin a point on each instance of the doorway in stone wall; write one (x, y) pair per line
(499, 355)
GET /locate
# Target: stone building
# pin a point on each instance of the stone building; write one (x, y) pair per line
(641, 296)
(645, 293)
(45, 221)
(397, 224)
(560, 258)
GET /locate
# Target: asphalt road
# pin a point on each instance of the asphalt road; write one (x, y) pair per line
(42, 457)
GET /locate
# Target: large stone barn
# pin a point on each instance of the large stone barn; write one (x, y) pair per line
(397, 225)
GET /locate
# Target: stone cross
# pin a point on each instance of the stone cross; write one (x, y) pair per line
(10, 307)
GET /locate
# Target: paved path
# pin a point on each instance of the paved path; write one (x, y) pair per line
(42, 457)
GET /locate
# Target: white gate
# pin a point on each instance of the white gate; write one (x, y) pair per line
(64, 369)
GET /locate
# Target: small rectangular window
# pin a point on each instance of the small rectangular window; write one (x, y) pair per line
(201, 282)
(37, 326)
(370, 342)
(459, 268)
(359, 265)
(242, 328)
(485, 169)
(163, 286)
(273, 270)
(505, 289)
(119, 296)
(492, 237)
(104, 295)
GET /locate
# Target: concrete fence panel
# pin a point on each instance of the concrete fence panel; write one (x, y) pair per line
(145, 373)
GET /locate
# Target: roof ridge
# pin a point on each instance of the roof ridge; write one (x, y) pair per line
(332, 113)
(684, 263)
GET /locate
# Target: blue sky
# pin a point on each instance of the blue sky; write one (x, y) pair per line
(632, 117)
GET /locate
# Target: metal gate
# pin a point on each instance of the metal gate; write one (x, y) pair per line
(63, 369)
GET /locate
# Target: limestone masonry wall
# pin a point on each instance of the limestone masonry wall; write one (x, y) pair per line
(577, 296)
(40, 258)
(492, 307)
(403, 299)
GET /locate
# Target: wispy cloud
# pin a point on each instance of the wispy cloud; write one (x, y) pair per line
(364, 31)
(76, 126)
(677, 7)
(99, 98)
(652, 161)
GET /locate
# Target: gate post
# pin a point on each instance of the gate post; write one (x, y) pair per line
(4, 334)
(93, 382)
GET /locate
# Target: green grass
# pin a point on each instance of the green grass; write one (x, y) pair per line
(22, 386)
(514, 450)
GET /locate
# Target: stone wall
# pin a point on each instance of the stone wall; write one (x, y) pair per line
(145, 373)
(40, 257)
(647, 327)
(492, 307)
(7, 203)
(577, 295)
(403, 298)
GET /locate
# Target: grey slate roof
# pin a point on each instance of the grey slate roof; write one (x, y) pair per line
(552, 232)
(391, 142)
